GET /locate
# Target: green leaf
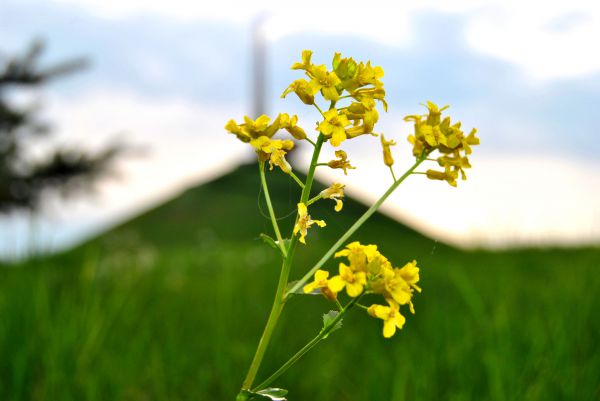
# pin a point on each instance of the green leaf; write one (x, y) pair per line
(274, 392)
(267, 394)
(268, 240)
(328, 319)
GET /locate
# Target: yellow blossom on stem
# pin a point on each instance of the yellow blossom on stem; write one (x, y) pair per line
(290, 124)
(353, 281)
(448, 175)
(273, 150)
(321, 283)
(303, 89)
(359, 255)
(324, 81)
(335, 192)
(396, 287)
(388, 160)
(410, 273)
(334, 127)
(363, 112)
(391, 316)
(305, 64)
(304, 222)
(342, 162)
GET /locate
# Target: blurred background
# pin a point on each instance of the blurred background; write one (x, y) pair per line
(126, 274)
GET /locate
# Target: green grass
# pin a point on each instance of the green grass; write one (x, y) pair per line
(170, 306)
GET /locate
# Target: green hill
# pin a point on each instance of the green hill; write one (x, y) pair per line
(170, 305)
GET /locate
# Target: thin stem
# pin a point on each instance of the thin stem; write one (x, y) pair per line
(318, 108)
(270, 326)
(322, 334)
(393, 175)
(310, 141)
(279, 300)
(322, 164)
(354, 227)
(263, 181)
(418, 172)
(296, 179)
(313, 200)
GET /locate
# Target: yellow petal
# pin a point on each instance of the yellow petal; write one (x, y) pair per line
(336, 284)
(389, 328)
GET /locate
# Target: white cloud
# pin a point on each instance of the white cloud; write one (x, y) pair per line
(546, 39)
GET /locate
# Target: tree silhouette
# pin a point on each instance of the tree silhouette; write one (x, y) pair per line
(24, 179)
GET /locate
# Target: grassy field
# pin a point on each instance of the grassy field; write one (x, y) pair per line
(170, 306)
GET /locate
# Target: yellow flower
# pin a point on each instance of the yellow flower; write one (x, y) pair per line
(388, 160)
(252, 129)
(304, 222)
(366, 94)
(353, 281)
(456, 163)
(433, 133)
(435, 113)
(345, 69)
(303, 89)
(324, 81)
(305, 64)
(335, 192)
(410, 273)
(273, 150)
(334, 127)
(448, 175)
(364, 112)
(396, 287)
(342, 162)
(290, 125)
(359, 255)
(391, 316)
(322, 284)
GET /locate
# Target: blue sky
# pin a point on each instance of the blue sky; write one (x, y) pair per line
(171, 79)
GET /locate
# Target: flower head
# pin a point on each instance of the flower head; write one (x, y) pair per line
(335, 192)
(353, 281)
(323, 284)
(388, 160)
(391, 316)
(273, 150)
(304, 222)
(334, 127)
(434, 133)
(342, 162)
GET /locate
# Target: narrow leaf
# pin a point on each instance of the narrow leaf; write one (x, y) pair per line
(328, 319)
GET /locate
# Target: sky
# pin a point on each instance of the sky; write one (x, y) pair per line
(168, 76)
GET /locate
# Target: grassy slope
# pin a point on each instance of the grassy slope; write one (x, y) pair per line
(170, 305)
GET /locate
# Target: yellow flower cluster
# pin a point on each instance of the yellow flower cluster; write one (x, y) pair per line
(433, 133)
(304, 222)
(361, 82)
(369, 272)
(259, 134)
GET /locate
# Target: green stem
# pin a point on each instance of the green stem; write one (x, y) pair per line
(263, 181)
(279, 300)
(318, 108)
(354, 227)
(296, 179)
(313, 200)
(322, 334)
(393, 175)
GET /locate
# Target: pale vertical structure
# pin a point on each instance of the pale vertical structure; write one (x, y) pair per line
(259, 65)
